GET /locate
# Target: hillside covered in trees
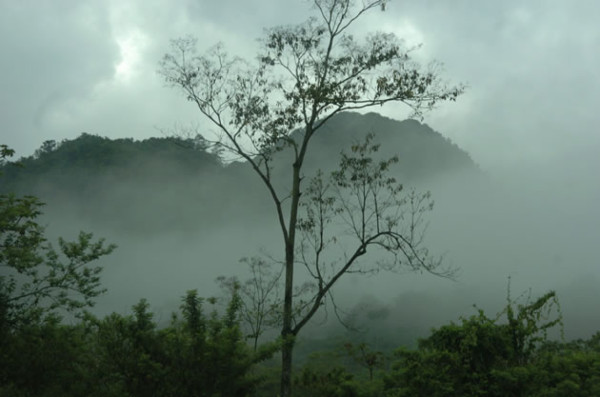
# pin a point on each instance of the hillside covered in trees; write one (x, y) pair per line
(140, 185)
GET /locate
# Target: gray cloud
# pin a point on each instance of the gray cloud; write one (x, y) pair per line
(52, 53)
(531, 68)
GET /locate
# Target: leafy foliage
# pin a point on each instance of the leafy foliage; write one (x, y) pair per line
(336, 382)
(35, 278)
(365, 357)
(480, 357)
(197, 355)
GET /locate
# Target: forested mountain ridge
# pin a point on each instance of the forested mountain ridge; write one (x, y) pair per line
(422, 152)
(92, 156)
(178, 183)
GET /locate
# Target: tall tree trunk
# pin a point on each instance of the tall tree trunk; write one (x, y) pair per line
(286, 331)
(286, 366)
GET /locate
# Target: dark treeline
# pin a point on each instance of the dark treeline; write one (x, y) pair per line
(198, 354)
(422, 153)
(128, 189)
(202, 352)
(99, 179)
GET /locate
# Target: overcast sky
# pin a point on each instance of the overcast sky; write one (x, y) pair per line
(533, 69)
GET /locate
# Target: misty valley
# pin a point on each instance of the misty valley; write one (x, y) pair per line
(187, 300)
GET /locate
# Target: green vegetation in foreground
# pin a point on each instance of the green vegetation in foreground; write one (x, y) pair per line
(205, 354)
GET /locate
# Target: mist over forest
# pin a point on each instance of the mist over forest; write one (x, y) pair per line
(315, 198)
(182, 216)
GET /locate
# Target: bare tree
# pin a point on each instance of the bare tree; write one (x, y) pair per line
(260, 297)
(303, 76)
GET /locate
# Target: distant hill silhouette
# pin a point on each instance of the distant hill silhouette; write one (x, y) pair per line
(174, 182)
(422, 152)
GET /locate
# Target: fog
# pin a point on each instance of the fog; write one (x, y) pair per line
(537, 225)
(529, 117)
